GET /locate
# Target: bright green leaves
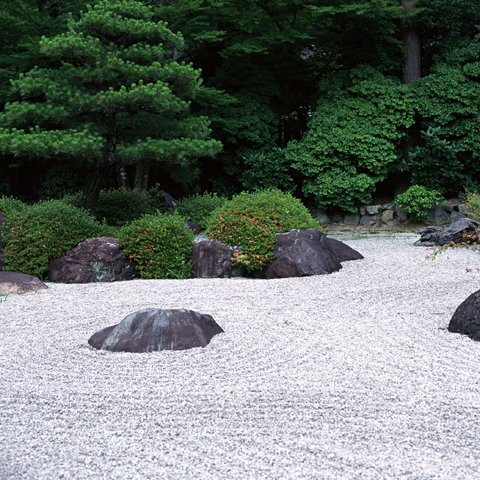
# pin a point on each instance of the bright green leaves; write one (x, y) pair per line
(126, 23)
(36, 143)
(74, 47)
(353, 137)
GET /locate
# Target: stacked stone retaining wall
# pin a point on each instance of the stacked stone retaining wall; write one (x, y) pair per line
(389, 215)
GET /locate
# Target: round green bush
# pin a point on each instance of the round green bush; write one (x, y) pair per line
(9, 205)
(199, 208)
(251, 221)
(118, 206)
(417, 201)
(44, 231)
(160, 245)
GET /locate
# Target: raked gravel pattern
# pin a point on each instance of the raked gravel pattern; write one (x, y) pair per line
(345, 376)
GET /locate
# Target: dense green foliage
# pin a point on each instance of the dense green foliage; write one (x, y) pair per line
(273, 72)
(353, 137)
(417, 201)
(251, 220)
(44, 231)
(111, 95)
(448, 101)
(436, 164)
(117, 206)
(160, 245)
(267, 169)
(199, 208)
(9, 205)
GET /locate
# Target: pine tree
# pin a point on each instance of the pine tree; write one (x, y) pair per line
(113, 94)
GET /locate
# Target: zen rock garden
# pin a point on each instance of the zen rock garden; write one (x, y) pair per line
(297, 253)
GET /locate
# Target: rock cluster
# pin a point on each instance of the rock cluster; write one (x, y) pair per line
(437, 236)
(389, 215)
(153, 329)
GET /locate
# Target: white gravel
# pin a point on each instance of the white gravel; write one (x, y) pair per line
(345, 376)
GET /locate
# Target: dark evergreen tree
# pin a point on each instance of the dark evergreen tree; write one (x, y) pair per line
(113, 93)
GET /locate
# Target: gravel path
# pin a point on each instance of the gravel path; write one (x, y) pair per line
(345, 376)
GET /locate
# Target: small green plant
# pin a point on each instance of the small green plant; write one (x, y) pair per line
(160, 245)
(251, 220)
(3, 298)
(44, 231)
(417, 201)
(199, 208)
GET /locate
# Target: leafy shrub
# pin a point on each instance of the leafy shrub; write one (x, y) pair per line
(251, 220)
(198, 208)
(417, 201)
(118, 206)
(46, 230)
(267, 169)
(353, 137)
(436, 164)
(160, 244)
(10, 205)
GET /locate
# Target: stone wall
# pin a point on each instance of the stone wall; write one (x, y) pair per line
(389, 215)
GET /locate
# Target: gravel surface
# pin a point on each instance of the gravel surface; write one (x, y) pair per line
(345, 376)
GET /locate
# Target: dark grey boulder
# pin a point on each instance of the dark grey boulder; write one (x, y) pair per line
(18, 283)
(343, 252)
(152, 330)
(94, 260)
(300, 253)
(437, 216)
(212, 259)
(433, 236)
(456, 216)
(466, 318)
(2, 244)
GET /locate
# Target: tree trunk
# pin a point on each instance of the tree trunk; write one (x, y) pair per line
(91, 193)
(142, 173)
(411, 40)
(412, 71)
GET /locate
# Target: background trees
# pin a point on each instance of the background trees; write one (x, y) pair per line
(112, 95)
(273, 72)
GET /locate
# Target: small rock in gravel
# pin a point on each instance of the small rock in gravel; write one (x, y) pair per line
(14, 282)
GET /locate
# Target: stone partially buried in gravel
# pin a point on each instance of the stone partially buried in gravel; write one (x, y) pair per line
(300, 253)
(433, 236)
(343, 252)
(466, 318)
(153, 329)
(17, 283)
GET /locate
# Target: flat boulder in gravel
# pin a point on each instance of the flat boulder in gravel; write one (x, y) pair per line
(433, 236)
(94, 260)
(18, 283)
(212, 259)
(300, 253)
(466, 318)
(343, 252)
(153, 329)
